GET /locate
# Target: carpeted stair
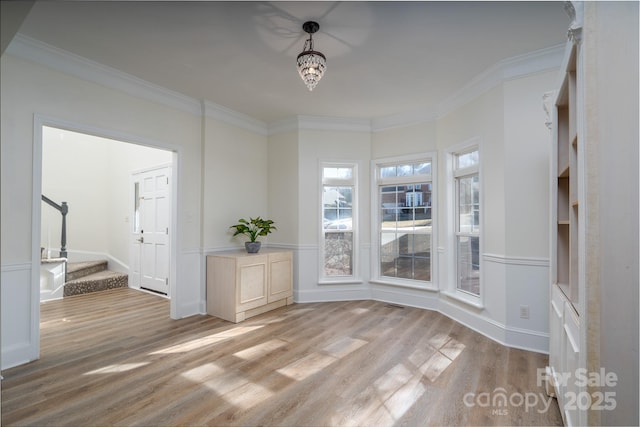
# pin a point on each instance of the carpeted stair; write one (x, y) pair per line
(92, 276)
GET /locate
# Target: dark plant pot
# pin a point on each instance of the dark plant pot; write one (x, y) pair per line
(252, 247)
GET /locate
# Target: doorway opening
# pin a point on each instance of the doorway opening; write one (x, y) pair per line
(94, 177)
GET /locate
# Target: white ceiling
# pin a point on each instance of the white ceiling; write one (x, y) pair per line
(383, 58)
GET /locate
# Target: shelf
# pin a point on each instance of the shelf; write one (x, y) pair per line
(567, 222)
(574, 203)
(563, 171)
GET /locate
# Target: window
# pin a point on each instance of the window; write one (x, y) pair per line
(467, 221)
(404, 235)
(338, 196)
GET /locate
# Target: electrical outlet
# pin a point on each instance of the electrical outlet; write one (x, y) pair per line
(524, 311)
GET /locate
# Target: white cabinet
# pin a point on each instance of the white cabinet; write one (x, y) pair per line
(241, 285)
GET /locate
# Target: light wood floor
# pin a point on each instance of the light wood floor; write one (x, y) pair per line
(115, 358)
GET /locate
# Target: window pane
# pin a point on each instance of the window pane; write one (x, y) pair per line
(405, 255)
(422, 168)
(337, 209)
(338, 254)
(341, 173)
(405, 170)
(469, 204)
(467, 159)
(136, 213)
(468, 264)
(405, 223)
(387, 171)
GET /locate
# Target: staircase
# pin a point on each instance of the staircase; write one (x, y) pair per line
(92, 276)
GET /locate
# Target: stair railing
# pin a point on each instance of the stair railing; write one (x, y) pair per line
(63, 208)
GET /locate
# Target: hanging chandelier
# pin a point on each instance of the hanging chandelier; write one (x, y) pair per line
(311, 63)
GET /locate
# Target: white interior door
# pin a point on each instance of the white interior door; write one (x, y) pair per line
(149, 264)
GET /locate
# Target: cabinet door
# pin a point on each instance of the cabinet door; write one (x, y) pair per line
(280, 276)
(251, 282)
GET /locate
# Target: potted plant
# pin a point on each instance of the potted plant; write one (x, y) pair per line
(253, 228)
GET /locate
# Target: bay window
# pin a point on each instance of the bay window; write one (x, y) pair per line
(404, 226)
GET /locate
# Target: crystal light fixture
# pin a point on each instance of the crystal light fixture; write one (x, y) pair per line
(311, 63)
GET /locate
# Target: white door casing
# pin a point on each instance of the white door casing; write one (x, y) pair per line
(151, 213)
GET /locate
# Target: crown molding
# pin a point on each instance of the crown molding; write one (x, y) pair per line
(320, 123)
(289, 124)
(61, 60)
(232, 117)
(516, 67)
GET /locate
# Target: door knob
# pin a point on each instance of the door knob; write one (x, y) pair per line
(140, 239)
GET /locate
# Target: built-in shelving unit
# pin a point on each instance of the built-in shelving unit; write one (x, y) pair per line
(565, 335)
(593, 217)
(566, 218)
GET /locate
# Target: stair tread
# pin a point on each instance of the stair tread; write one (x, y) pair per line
(100, 275)
(72, 267)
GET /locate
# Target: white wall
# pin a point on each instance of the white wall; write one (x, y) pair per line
(527, 152)
(76, 173)
(400, 141)
(29, 91)
(284, 188)
(315, 146)
(93, 175)
(480, 121)
(227, 171)
(235, 184)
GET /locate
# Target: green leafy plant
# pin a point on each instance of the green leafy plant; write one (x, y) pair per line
(253, 228)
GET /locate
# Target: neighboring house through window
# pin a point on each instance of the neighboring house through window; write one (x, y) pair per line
(338, 220)
(404, 220)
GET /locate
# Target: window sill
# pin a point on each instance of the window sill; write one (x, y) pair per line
(469, 300)
(345, 281)
(427, 287)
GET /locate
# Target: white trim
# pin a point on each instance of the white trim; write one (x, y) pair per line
(539, 61)
(432, 156)
(460, 296)
(150, 168)
(227, 115)
(355, 202)
(331, 294)
(24, 266)
(347, 280)
(429, 286)
(320, 123)
(289, 124)
(510, 260)
(61, 60)
(499, 332)
(193, 251)
(453, 173)
(36, 224)
(176, 311)
(406, 296)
